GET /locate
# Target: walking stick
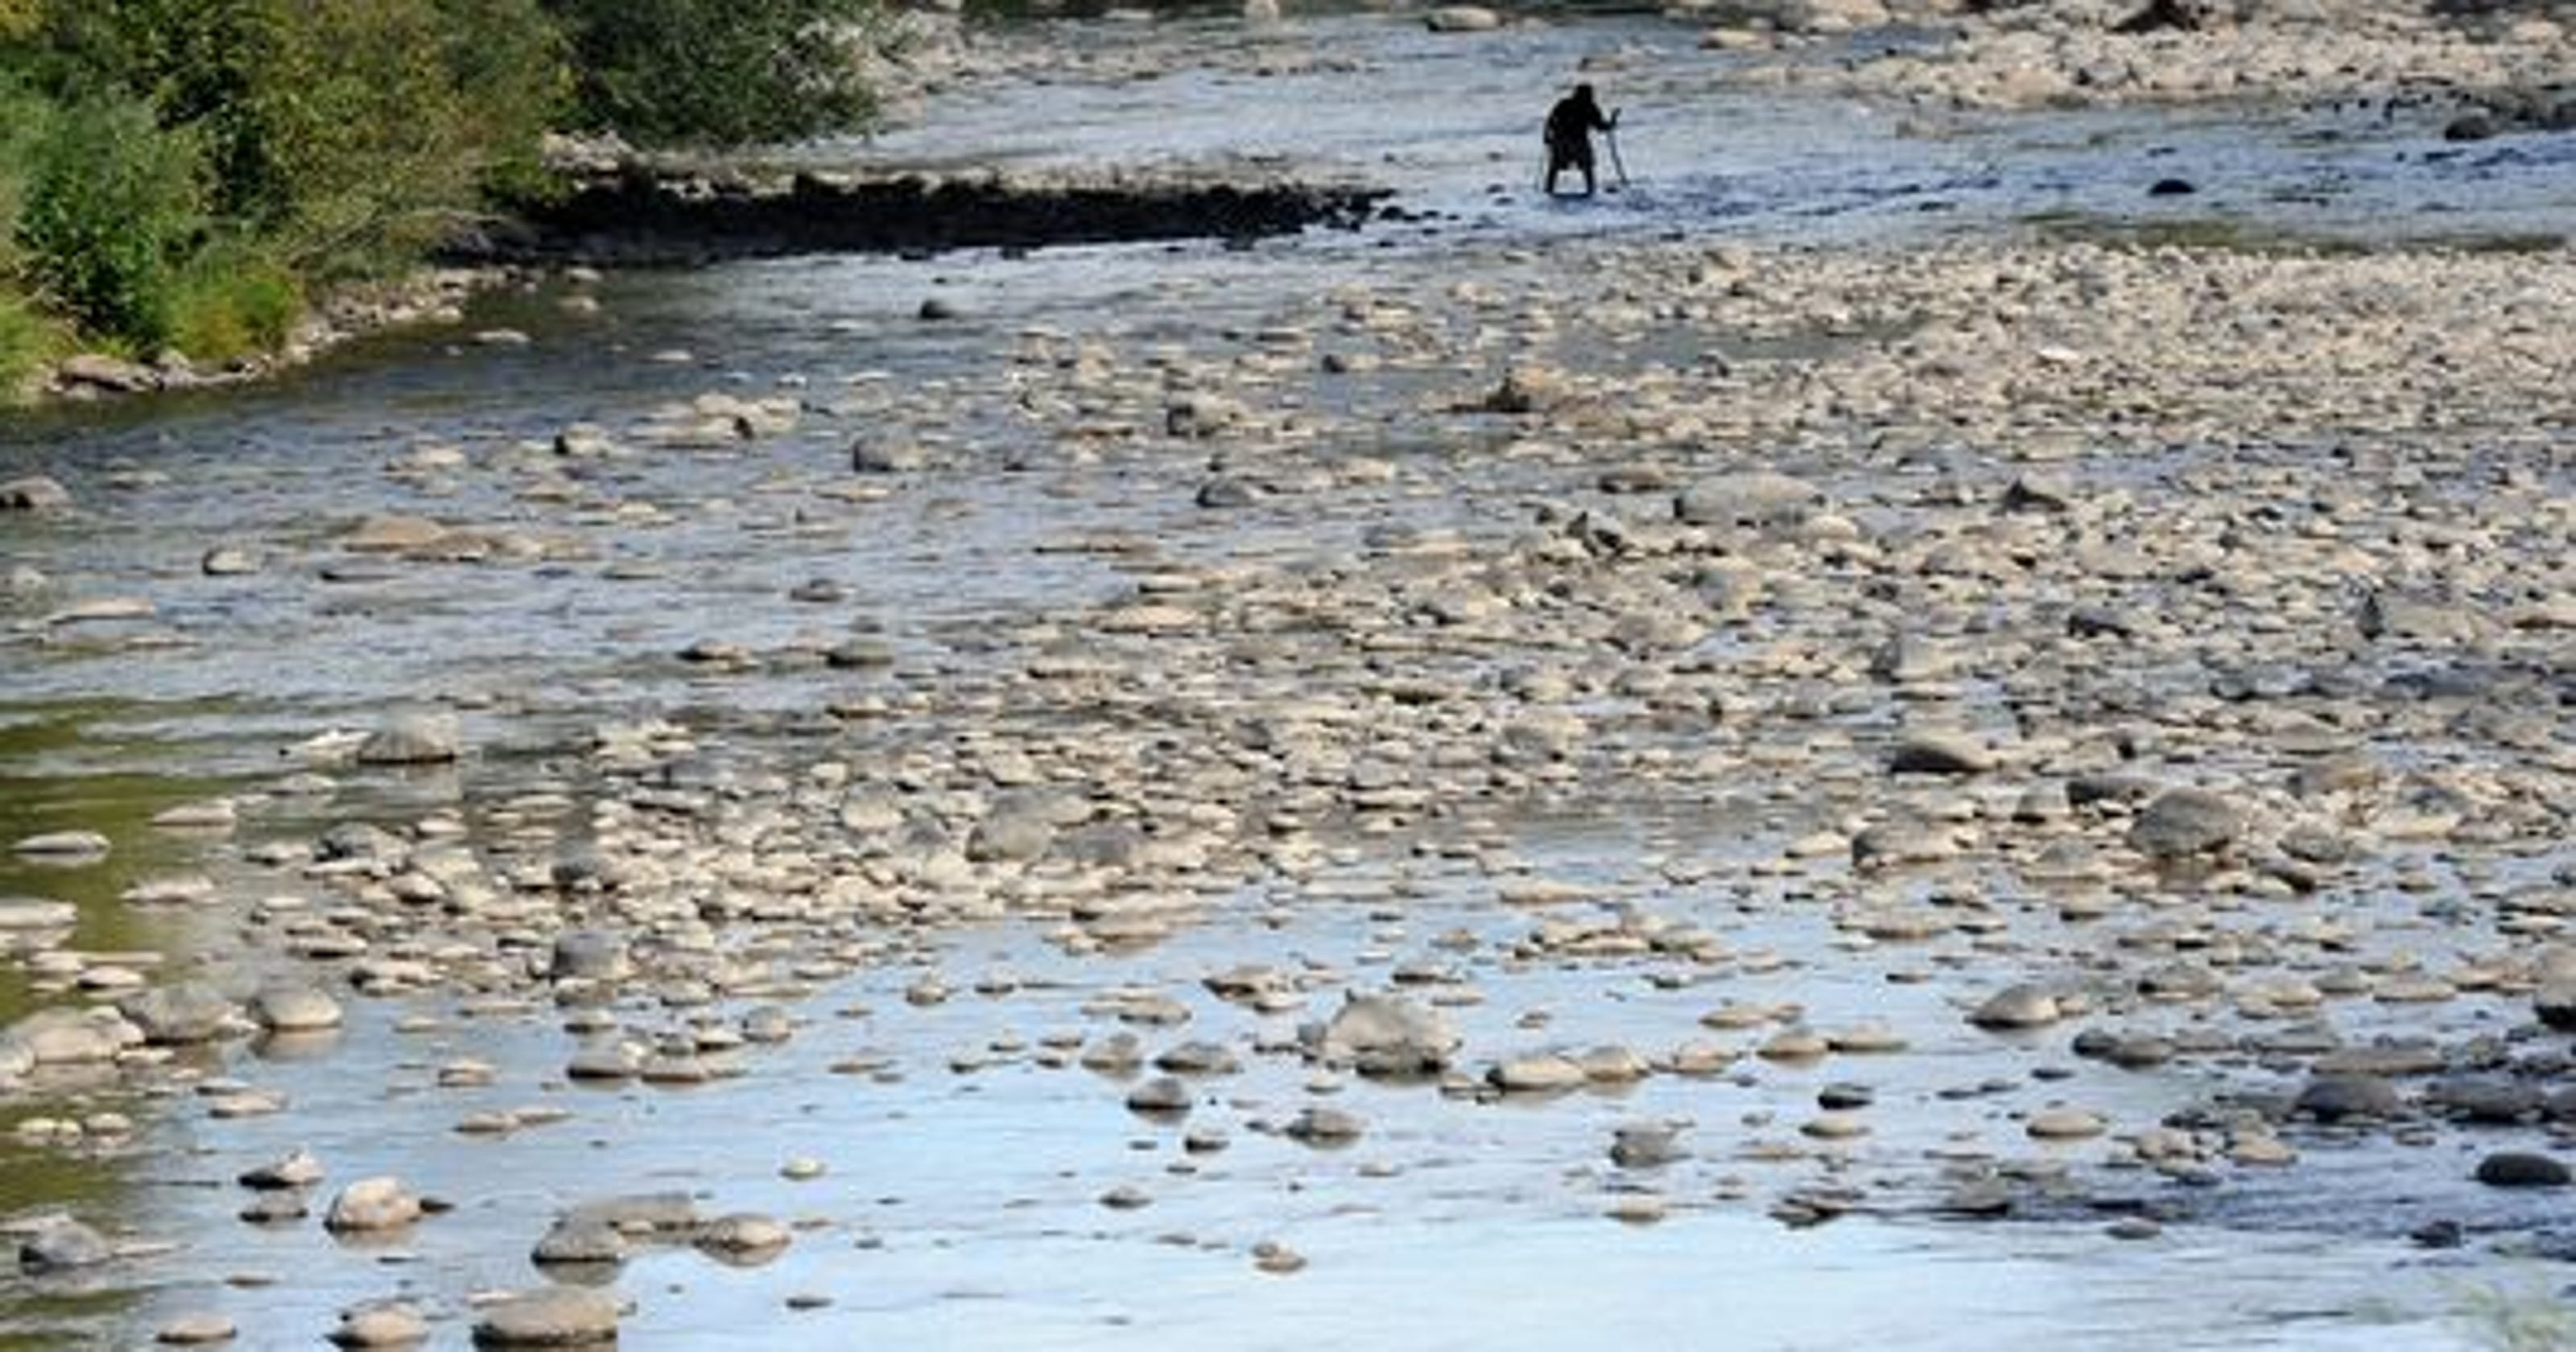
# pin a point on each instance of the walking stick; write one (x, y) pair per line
(1612, 137)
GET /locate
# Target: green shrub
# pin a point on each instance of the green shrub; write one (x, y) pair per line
(384, 118)
(351, 132)
(719, 72)
(110, 211)
(29, 342)
(233, 302)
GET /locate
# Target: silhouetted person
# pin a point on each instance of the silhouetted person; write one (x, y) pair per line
(1570, 125)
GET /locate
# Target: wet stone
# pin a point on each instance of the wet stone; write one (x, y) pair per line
(743, 1235)
(296, 1169)
(2016, 1007)
(1325, 1126)
(424, 739)
(195, 1330)
(2522, 1169)
(2336, 1098)
(1545, 1074)
(372, 1204)
(1164, 1095)
(380, 1325)
(180, 1015)
(2184, 822)
(62, 846)
(61, 1246)
(555, 1317)
(1647, 1145)
(295, 1009)
(1384, 1035)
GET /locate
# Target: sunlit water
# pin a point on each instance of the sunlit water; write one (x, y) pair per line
(960, 1210)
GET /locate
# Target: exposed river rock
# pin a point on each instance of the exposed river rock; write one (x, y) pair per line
(1524, 748)
(659, 219)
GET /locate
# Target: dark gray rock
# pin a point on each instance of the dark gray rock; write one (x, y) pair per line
(2522, 1169)
(2180, 823)
(2336, 1098)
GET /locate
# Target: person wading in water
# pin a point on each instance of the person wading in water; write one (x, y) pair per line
(1570, 125)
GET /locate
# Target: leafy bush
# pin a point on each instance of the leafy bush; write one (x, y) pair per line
(719, 72)
(110, 211)
(352, 132)
(28, 343)
(232, 302)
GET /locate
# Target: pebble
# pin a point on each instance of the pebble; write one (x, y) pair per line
(196, 1330)
(380, 1325)
(2063, 1124)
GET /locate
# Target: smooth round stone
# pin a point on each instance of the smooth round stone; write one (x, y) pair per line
(1638, 1209)
(1325, 1126)
(2017, 1007)
(1646, 1145)
(1868, 1039)
(560, 1316)
(2063, 1124)
(296, 1169)
(382, 1325)
(295, 1009)
(1536, 1075)
(1277, 1259)
(2522, 1169)
(802, 1169)
(2261, 1152)
(1834, 1127)
(1159, 1096)
(196, 1330)
(1844, 1097)
(63, 1246)
(21, 914)
(380, 1203)
(1793, 1045)
(63, 846)
(2333, 1098)
(580, 1243)
(743, 1234)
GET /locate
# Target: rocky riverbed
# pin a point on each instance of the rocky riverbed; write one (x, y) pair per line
(1201, 793)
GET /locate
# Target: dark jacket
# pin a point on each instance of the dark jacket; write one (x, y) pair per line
(1572, 121)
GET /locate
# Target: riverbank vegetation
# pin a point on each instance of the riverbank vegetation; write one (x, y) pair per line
(182, 179)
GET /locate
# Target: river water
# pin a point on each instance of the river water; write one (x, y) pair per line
(960, 1208)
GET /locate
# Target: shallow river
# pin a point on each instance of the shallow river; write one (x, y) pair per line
(960, 1206)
